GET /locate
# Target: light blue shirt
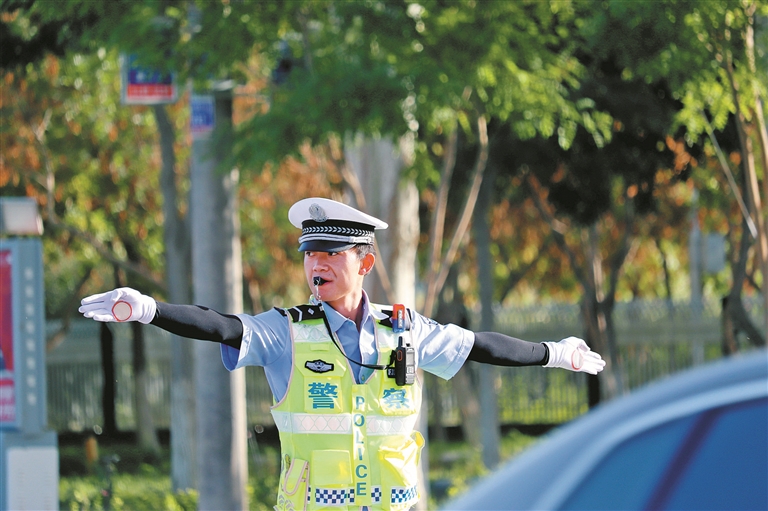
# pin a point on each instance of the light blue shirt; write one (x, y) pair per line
(440, 349)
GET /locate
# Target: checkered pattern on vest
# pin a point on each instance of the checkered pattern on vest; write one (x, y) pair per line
(336, 497)
(403, 495)
(331, 497)
(376, 494)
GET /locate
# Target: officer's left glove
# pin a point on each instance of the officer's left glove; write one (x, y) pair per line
(573, 354)
(122, 304)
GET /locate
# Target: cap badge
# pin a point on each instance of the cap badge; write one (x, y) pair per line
(317, 213)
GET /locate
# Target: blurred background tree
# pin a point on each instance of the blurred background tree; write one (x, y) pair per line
(580, 134)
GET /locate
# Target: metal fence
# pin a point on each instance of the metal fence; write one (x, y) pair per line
(655, 339)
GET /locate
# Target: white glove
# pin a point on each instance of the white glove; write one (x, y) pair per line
(573, 354)
(122, 304)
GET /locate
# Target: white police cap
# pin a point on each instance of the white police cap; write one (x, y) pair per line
(330, 226)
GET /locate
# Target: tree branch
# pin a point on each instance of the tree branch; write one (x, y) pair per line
(515, 277)
(618, 258)
(354, 185)
(55, 222)
(437, 227)
(466, 216)
(557, 227)
(56, 338)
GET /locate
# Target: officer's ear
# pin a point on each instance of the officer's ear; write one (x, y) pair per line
(366, 263)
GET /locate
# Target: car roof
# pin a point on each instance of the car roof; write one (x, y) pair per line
(542, 476)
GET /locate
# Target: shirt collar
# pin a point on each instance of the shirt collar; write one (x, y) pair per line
(336, 320)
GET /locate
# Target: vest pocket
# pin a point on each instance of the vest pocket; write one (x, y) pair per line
(331, 479)
(400, 473)
(293, 493)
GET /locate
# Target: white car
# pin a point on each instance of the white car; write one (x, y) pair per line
(697, 440)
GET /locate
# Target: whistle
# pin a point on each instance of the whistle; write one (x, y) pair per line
(317, 281)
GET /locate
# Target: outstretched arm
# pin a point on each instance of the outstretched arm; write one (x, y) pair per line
(198, 322)
(571, 353)
(502, 350)
(193, 321)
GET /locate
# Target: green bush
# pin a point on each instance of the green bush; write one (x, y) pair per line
(137, 485)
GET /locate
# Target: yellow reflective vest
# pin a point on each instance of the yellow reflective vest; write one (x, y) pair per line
(345, 445)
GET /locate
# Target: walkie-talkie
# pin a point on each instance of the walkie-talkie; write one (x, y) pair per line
(404, 354)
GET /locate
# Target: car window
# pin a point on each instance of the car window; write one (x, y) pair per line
(626, 477)
(715, 460)
(729, 468)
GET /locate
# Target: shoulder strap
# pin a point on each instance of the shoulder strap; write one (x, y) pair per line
(302, 312)
(387, 322)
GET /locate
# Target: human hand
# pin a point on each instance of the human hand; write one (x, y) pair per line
(122, 304)
(573, 354)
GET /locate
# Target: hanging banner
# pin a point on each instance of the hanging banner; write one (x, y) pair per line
(8, 413)
(144, 86)
(203, 115)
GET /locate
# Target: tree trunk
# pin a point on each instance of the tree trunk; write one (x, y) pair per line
(107, 344)
(735, 318)
(667, 277)
(488, 376)
(597, 309)
(379, 190)
(451, 309)
(469, 405)
(177, 263)
(217, 276)
(729, 345)
(751, 185)
(145, 424)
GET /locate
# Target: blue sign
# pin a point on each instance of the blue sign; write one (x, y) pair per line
(203, 115)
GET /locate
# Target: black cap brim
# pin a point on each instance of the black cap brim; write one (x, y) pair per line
(324, 246)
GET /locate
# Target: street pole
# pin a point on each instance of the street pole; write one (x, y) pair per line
(694, 255)
(221, 425)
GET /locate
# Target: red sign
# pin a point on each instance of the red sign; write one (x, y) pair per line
(7, 382)
(145, 86)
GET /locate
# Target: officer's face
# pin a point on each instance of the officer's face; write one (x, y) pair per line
(341, 273)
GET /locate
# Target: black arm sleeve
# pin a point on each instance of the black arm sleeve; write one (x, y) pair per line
(502, 350)
(198, 322)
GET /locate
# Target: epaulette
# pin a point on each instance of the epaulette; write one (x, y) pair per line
(302, 312)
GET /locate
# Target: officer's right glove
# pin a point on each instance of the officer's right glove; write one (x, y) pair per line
(122, 304)
(573, 354)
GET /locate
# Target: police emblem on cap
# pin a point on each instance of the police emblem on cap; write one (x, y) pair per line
(317, 213)
(330, 226)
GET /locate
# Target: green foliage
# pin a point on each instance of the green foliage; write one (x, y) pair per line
(148, 491)
(345, 98)
(453, 467)
(389, 67)
(689, 45)
(86, 158)
(140, 485)
(383, 68)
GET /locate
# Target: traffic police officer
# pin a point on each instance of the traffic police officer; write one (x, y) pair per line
(342, 369)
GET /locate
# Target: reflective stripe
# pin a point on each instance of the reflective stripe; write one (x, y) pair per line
(341, 423)
(384, 425)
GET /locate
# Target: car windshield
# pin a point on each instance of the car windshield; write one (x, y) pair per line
(712, 460)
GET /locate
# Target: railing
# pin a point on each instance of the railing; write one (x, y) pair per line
(654, 341)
